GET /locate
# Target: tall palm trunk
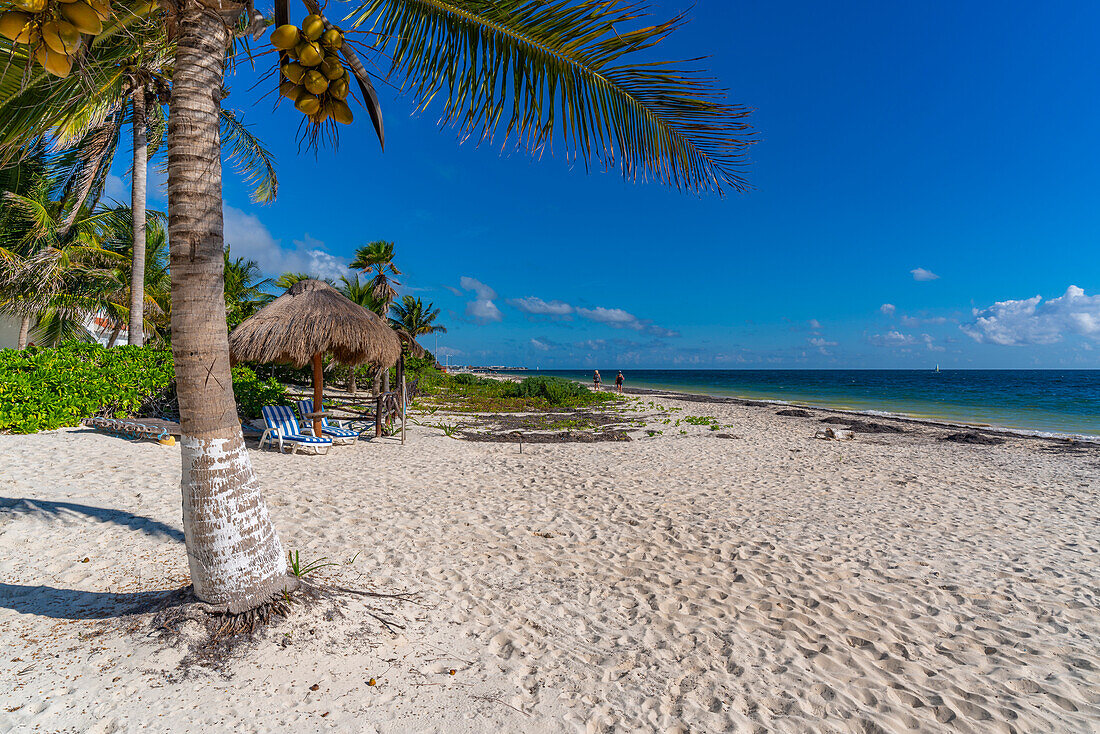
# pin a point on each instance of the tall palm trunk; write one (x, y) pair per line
(234, 553)
(24, 331)
(137, 206)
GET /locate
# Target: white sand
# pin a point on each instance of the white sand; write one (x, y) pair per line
(688, 583)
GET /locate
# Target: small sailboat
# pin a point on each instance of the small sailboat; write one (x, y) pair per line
(937, 368)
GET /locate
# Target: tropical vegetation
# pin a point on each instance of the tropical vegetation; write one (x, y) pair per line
(577, 75)
(44, 389)
(416, 319)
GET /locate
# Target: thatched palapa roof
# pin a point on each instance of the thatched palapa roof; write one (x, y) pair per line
(313, 317)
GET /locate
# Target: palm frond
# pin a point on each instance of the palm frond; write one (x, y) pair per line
(541, 71)
(250, 157)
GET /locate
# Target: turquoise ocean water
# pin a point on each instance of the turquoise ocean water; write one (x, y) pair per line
(1044, 401)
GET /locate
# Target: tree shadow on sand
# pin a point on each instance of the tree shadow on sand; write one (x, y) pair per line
(47, 601)
(103, 514)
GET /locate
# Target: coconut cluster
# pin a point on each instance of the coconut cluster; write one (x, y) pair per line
(314, 77)
(54, 29)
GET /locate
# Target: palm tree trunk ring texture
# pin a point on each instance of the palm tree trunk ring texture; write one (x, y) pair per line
(235, 557)
(137, 202)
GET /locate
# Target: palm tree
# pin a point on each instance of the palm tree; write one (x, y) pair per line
(415, 318)
(244, 289)
(155, 298)
(378, 256)
(286, 280)
(53, 274)
(362, 294)
(647, 117)
(564, 70)
(129, 72)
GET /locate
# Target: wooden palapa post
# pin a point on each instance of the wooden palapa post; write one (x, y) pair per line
(318, 393)
(404, 395)
(378, 407)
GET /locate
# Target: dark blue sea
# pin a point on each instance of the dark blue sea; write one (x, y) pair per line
(1043, 401)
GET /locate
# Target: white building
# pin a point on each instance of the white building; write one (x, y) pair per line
(99, 327)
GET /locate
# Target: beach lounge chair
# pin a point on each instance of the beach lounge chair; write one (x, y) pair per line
(282, 426)
(337, 430)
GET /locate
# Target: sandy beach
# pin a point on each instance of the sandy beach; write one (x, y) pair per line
(759, 581)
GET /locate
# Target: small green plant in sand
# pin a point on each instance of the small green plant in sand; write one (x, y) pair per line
(299, 570)
(700, 420)
(449, 429)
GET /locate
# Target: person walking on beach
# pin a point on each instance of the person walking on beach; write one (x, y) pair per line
(619, 382)
(596, 381)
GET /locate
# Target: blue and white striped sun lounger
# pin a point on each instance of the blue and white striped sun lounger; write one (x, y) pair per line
(281, 425)
(336, 431)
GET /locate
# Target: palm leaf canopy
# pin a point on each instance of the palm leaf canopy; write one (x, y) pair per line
(568, 71)
(312, 318)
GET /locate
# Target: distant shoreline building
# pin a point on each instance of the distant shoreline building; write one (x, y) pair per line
(99, 327)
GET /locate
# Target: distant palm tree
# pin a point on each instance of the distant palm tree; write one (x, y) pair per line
(286, 280)
(378, 257)
(362, 294)
(53, 273)
(244, 289)
(416, 318)
(156, 280)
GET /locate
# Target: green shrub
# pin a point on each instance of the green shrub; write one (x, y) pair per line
(46, 388)
(253, 393)
(555, 390)
(467, 379)
(42, 389)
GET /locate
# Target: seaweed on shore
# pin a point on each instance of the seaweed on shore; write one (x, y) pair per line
(795, 413)
(861, 426)
(567, 426)
(974, 438)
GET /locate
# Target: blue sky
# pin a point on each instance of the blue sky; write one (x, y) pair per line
(925, 191)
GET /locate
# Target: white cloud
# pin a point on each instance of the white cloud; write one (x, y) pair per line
(620, 319)
(931, 343)
(815, 324)
(822, 344)
(247, 237)
(538, 307)
(888, 309)
(473, 284)
(920, 320)
(1032, 321)
(454, 290)
(892, 338)
(923, 275)
(481, 309)
(610, 316)
(540, 345)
